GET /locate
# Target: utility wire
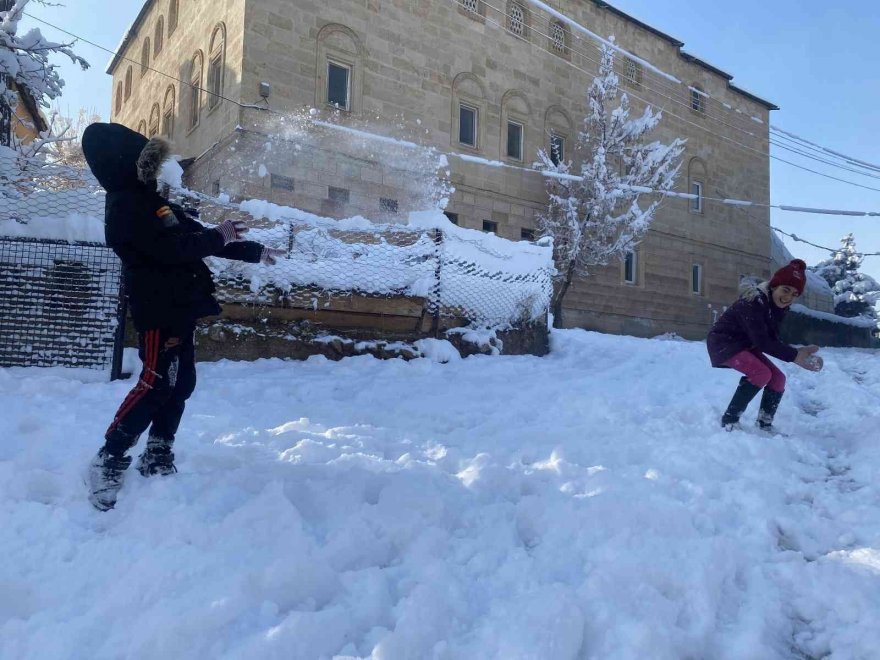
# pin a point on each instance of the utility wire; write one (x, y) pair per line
(497, 163)
(797, 238)
(704, 128)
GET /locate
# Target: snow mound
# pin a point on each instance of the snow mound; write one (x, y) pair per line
(582, 505)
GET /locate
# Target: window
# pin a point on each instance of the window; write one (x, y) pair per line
(559, 37)
(527, 234)
(490, 227)
(698, 99)
(215, 66)
(145, 57)
(632, 72)
(630, 268)
(697, 200)
(118, 97)
(281, 182)
(557, 149)
(168, 113)
(697, 279)
(195, 88)
(453, 217)
(153, 127)
(471, 7)
(467, 125)
(514, 140)
(142, 127)
(215, 187)
(159, 36)
(341, 195)
(388, 205)
(127, 83)
(516, 19)
(338, 85)
(172, 17)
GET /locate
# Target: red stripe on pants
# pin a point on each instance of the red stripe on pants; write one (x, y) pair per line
(151, 358)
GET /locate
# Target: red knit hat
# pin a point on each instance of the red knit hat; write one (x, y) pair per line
(793, 275)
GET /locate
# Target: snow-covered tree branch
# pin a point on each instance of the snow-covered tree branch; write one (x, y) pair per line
(595, 216)
(24, 58)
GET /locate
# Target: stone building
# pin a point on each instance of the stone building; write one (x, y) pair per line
(488, 82)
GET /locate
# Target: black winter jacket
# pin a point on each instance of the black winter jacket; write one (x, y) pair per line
(161, 247)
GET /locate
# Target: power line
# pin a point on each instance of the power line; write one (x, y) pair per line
(731, 202)
(798, 239)
(128, 59)
(708, 115)
(703, 128)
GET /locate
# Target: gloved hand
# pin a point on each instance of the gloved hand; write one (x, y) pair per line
(269, 256)
(232, 230)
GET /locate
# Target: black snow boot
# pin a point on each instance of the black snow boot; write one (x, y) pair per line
(106, 475)
(769, 404)
(738, 404)
(157, 458)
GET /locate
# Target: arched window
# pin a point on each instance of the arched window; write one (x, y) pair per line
(142, 127)
(159, 36)
(145, 56)
(560, 39)
(515, 119)
(127, 83)
(698, 99)
(475, 9)
(518, 19)
(216, 58)
(340, 68)
(469, 112)
(172, 17)
(632, 72)
(118, 97)
(559, 134)
(195, 85)
(168, 113)
(153, 128)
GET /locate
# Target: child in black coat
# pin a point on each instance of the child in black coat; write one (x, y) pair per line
(168, 287)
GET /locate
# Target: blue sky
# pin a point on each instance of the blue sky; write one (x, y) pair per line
(816, 60)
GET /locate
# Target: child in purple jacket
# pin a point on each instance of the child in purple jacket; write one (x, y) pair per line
(748, 329)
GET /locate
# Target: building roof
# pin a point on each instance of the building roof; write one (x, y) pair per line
(686, 56)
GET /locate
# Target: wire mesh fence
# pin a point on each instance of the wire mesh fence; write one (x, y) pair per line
(60, 286)
(59, 303)
(458, 274)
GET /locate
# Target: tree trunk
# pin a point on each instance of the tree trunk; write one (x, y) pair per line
(559, 294)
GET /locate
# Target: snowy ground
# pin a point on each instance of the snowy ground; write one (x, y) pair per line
(583, 505)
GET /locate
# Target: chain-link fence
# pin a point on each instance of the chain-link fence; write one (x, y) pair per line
(459, 274)
(59, 284)
(59, 304)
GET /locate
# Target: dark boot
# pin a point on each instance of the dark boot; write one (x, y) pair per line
(157, 458)
(769, 404)
(738, 404)
(106, 475)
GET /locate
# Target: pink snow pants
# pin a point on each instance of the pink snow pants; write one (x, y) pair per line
(760, 371)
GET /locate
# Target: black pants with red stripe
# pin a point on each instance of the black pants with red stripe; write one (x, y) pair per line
(167, 380)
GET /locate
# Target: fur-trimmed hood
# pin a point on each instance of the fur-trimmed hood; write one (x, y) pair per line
(121, 158)
(750, 290)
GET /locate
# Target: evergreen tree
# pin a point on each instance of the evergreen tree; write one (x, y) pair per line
(855, 294)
